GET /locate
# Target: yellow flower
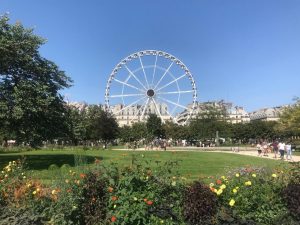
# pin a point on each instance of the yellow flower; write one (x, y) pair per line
(237, 188)
(34, 192)
(67, 181)
(37, 190)
(248, 183)
(29, 185)
(232, 202)
(174, 183)
(254, 175)
(223, 186)
(219, 192)
(237, 175)
(211, 184)
(135, 198)
(24, 177)
(115, 206)
(223, 177)
(6, 176)
(53, 192)
(234, 191)
(274, 175)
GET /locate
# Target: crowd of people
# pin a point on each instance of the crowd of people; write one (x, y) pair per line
(277, 147)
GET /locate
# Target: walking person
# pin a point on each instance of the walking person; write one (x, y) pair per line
(288, 149)
(259, 149)
(281, 147)
(275, 148)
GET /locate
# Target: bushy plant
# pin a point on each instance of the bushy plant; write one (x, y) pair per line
(253, 194)
(292, 197)
(199, 204)
(143, 195)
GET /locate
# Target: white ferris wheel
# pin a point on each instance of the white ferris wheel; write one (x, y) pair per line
(148, 82)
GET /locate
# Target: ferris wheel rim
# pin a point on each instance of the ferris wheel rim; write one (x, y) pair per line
(138, 55)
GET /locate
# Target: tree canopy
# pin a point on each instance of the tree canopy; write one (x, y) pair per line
(31, 107)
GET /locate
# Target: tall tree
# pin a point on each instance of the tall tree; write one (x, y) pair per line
(101, 125)
(289, 122)
(154, 126)
(31, 108)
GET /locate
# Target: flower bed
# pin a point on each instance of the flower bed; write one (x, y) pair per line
(142, 195)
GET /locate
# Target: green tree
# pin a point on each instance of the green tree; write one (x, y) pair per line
(101, 125)
(289, 122)
(154, 126)
(31, 108)
(210, 120)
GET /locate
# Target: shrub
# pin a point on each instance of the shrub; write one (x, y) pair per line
(254, 194)
(292, 197)
(94, 199)
(199, 204)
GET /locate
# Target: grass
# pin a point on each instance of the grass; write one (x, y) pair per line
(191, 164)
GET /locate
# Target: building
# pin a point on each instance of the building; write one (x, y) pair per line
(127, 115)
(267, 114)
(233, 114)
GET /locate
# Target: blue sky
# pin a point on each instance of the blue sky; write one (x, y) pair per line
(243, 51)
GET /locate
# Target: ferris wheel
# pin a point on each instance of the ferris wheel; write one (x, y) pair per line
(149, 82)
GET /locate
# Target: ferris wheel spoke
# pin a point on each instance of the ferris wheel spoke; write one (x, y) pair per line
(130, 105)
(154, 70)
(145, 107)
(138, 80)
(174, 92)
(126, 95)
(137, 112)
(173, 103)
(144, 71)
(129, 85)
(167, 70)
(173, 81)
(157, 110)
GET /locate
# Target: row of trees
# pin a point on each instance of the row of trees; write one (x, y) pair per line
(32, 110)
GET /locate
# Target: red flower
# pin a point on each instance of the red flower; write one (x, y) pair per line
(114, 198)
(149, 202)
(110, 189)
(82, 175)
(219, 182)
(113, 219)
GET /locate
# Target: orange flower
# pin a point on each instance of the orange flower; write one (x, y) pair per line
(82, 175)
(212, 189)
(114, 198)
(113, 219)
(219, 182)
(145, 200)
(149, 202)
(110, 189)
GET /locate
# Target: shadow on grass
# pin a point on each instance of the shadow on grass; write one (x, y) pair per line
(40, 162)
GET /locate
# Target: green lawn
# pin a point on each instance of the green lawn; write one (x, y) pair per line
(191, 164)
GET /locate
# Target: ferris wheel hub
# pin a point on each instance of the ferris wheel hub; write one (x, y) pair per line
(150, 93)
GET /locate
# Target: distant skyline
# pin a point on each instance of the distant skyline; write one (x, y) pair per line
(245, 52)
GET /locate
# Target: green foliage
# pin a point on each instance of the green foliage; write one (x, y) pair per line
(292, 197)
(31, 108)
(154, 126)
(199, 204)
(144, 195)
(101, 124)
(289, 122)
(255, 195)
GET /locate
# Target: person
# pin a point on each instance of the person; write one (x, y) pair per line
(281, 147)
(265, 148)
(288, 149)
(275, 148)
(259, 150)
